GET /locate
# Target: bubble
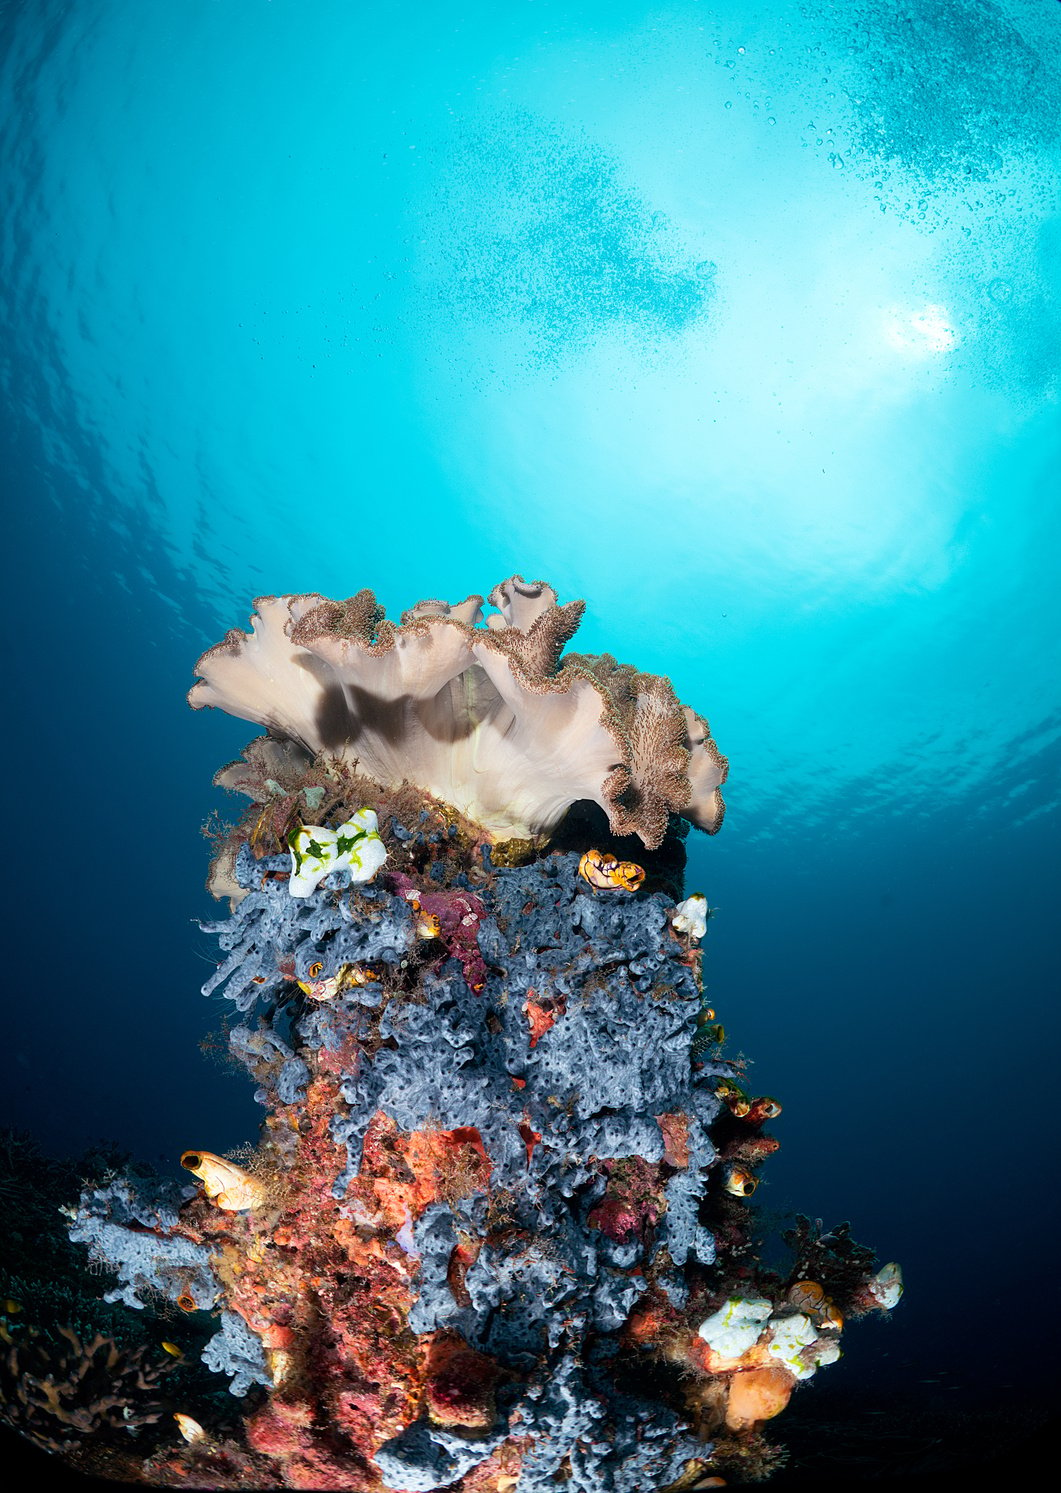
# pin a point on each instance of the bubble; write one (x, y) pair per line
(1000, 291)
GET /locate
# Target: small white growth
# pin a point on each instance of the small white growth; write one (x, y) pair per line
(788, 1337)
(404, 1237)
(886, 1287)
(826, 1351)
(690, 916)
(735, 1327)
(280, 1363)
(316, 851)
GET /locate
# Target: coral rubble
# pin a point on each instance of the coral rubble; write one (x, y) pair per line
(496, 1233)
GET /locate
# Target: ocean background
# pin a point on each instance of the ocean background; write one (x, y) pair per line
(742, 322)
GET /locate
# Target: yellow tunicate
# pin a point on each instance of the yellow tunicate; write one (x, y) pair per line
(604, 872)
(628, 875)
(228, 1186)
(279, 1362)
(740, 1183)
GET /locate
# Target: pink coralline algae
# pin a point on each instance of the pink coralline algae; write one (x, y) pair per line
(495, 1235)
(455, 918)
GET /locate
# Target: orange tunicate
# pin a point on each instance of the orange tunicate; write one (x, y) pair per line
(757, 1395)
(832, 1318)
(808, 1295)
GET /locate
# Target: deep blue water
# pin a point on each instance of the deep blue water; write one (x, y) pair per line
(740, 321)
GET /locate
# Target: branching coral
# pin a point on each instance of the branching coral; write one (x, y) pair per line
(58, 1390)
(490, 719)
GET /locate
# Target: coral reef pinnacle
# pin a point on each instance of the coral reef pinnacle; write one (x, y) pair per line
(496, 1232)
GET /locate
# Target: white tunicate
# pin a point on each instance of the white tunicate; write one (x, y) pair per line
(690, 916)
(316, 851)
(827, 1350)
(788, 1337)
(735, 1327)
(886, 1287)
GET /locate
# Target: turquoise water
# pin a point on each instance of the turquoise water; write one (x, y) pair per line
(743, 323)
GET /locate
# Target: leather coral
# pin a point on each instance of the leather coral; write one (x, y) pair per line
(491, 718)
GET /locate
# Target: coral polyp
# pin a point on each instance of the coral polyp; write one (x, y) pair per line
(496, 1232)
